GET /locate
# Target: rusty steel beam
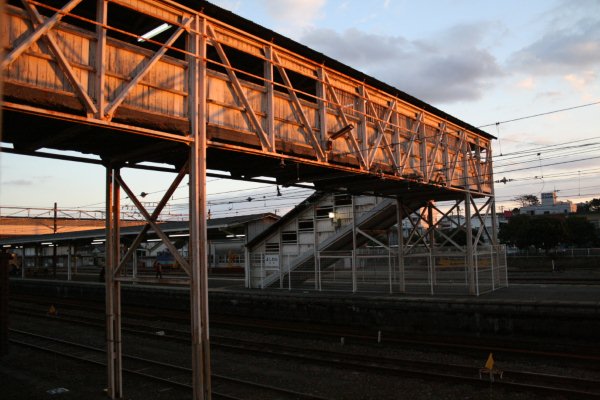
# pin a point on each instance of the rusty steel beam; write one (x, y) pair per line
(201, 368)
(113, 288)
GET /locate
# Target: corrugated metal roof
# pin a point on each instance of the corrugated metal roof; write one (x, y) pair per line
(167, 227)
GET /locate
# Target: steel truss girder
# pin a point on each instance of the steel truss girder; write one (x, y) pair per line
(425, 237)
(266, 144)
(342, 115)
(299, 110)
(133, 80)
(420, 235)
(382, 125)
(39, 30)
(38, 21)
(384, 143)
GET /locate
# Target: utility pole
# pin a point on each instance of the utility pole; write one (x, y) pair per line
(54, 229)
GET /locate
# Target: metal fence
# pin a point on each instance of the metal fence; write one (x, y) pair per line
(377, 270)
(573, 252)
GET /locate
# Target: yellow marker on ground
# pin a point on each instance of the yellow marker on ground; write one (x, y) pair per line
(489, 364)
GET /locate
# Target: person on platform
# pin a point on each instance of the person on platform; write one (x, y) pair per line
(158, 269)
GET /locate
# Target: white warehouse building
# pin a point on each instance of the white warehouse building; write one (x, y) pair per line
(550, 205)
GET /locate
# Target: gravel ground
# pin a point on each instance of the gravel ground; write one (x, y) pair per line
(27, 374)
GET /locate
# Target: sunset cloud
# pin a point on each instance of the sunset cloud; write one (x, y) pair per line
(431, 70)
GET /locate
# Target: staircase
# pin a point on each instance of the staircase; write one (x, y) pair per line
(380, 218)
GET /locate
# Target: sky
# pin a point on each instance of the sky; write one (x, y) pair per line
(482, 61)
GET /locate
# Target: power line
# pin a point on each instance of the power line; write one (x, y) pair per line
(548, 148)
(540, 114)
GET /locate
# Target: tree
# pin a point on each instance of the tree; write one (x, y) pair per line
(594, 205)
(542, 232)
(547, 232)
(527, 200)
(516, 231)
(581, 232)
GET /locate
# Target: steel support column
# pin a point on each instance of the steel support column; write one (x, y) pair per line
(316, 250)
(495, 247)
(399, 219)
(431, 239)
(198, 237)
(134, 269)
(247, 270)
(69, 260)
(469, 250)
(494, 250)
(113, 287)
(23, 263)
(354, 258)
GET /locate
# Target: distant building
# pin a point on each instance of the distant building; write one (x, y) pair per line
(550, 205)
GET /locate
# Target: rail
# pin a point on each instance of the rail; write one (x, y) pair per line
(511, 379)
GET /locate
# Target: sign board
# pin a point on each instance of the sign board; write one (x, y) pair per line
(271, 260)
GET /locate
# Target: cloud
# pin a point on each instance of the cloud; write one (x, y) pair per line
(548, 95)
(18, 182)
(449, 67)
(35, 180)
(297, 15)
(581, 80)
(571, 42)
(231, 5)
(527, 83)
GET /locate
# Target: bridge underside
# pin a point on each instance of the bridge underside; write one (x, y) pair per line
(32, 131)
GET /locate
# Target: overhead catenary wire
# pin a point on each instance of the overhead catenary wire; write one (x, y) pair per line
(273, 196)
(540, 114)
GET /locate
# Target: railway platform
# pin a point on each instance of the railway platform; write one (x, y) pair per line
(553, 312)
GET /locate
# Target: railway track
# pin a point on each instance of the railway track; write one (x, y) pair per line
(573, 387)
(169, 374)
(570, 386)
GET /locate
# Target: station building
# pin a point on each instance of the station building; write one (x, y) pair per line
(83, 252)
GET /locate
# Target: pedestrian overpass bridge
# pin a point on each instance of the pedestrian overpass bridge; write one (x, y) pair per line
(214, 90)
